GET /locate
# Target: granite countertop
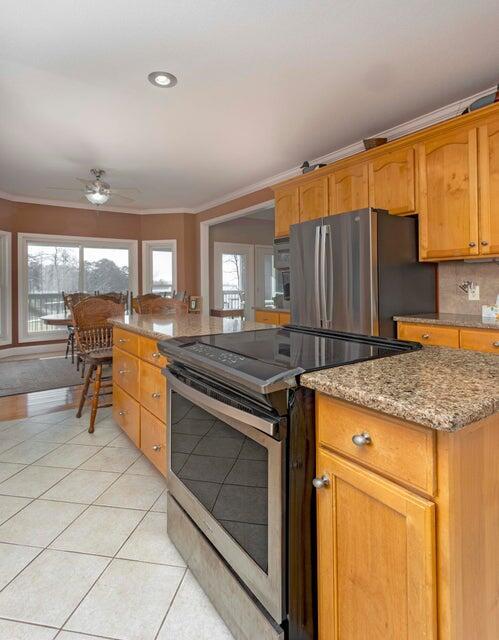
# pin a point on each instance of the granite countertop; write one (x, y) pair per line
(161, 327)
(438, 387)
(450, 319)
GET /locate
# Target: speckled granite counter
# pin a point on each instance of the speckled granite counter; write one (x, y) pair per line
(450, 319)
(437, 387)
(161, 327)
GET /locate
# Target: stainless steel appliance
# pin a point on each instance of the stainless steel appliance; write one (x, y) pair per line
(355, 271)
(281, 253)
(242, 459)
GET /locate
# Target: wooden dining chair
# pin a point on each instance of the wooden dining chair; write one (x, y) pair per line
(152, 303)
(69, 300)
(94, 341)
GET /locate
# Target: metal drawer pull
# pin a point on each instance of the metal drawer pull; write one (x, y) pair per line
(425, 336)
(156, 447)
(360, 439)
(122, 372)
(122, 413)
(320, 483)
(122, 340)
(156, 354)
(156, 395)
(496, 343)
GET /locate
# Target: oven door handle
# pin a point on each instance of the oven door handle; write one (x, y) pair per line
(220, 409)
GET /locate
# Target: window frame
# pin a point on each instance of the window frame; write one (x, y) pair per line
(6, 286)
(148, 247)
(79, 241)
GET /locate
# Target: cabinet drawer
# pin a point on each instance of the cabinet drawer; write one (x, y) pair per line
(429, 334)
(268, 317)
(284, 318)
(126, 340)
(153, 390)
(153, 439)
(480, 340)
(400, 450)
(126, 412)
(126, 372)
(148, 350)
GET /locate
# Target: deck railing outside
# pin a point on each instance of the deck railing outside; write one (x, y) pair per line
(43, 304)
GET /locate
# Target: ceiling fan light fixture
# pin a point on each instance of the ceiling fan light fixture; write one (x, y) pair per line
(97, 197)
(162, 79)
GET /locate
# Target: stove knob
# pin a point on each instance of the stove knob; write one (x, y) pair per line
(320, 483)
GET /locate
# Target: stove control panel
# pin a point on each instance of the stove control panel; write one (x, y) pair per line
(218, 355)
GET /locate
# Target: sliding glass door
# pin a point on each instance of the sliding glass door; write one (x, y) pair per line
(49, 266)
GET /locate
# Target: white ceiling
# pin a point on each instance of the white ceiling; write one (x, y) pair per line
(263, 84)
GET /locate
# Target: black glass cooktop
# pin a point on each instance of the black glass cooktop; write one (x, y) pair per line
(267, 354)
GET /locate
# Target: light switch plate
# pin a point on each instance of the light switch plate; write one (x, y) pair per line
(474, 292)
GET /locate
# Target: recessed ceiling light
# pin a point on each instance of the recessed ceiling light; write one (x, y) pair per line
(162, 79)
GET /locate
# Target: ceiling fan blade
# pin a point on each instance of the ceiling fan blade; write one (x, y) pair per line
(62, 189)
(118, 189)
(84, 180)
(117, 196)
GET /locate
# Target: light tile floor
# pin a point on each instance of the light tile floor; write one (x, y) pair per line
(84, 552)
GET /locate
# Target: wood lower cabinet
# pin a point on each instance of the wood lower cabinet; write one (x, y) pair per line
(348, 189)
(400, 562)
(392, 182)
(272, 317)
(140, 394)
(376, 552)
(486, 340)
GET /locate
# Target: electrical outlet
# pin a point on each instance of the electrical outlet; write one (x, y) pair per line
(474, 292)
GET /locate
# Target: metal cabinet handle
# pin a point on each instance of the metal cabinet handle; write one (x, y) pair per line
(122, 371)
(156, 395)
(361, 439)
(320, 483)
(156, 447)
(496, 343)
(156, 354)
(425, 336)
(484, 243)
(472, 244)
(122, 340)
(122, 413)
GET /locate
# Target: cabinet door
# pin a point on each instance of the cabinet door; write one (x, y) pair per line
(448, 202)
(376, 557)
(286, 210)
(348, 189)
(313, 199)
(392, 182)
(488, 144)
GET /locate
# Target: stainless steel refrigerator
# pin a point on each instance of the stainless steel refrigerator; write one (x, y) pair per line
(354, 271)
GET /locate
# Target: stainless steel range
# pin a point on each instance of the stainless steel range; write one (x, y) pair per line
(242, 461)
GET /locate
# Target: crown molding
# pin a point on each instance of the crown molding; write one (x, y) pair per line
(416, 124)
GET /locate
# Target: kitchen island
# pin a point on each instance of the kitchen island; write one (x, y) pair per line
(139, 387)
(408, 496)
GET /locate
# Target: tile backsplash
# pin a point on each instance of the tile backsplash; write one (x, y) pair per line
(452, 299)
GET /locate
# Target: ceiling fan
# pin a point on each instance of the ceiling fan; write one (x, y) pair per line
(98, 191)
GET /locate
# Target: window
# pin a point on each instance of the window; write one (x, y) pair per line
(49, 266)
(5, 289)
(234, 276)
(159, 266)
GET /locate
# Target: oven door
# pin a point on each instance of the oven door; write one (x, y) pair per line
(227, 470)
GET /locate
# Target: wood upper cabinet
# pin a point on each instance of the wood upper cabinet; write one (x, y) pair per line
(286, 210)
(348, 189)
(392, 183)
(313, 197)
(488, 163)
(448, 198)
(376, 555)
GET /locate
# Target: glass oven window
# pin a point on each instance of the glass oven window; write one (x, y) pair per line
(226, 471)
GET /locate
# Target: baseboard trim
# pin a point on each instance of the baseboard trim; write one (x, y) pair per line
(34, 349)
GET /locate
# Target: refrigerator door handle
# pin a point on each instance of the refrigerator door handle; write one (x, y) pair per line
(326, 231)
(317, 282)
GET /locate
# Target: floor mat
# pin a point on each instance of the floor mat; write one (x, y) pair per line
(26, 376)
